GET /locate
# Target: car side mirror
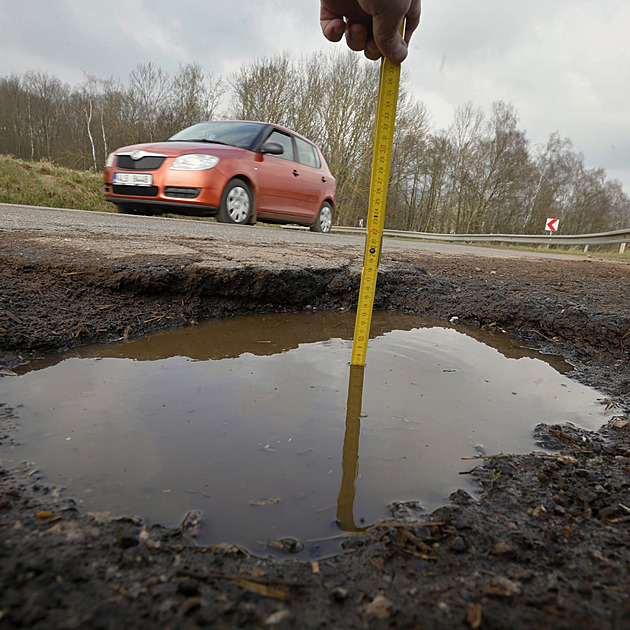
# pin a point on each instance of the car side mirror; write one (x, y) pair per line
(273, 148)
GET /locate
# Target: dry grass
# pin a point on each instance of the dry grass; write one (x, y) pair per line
(45, 184)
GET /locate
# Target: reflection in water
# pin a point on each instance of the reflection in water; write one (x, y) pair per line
(166, 425)
(269, 334)
(350, 457)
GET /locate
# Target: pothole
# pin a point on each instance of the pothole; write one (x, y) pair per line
(255, 431)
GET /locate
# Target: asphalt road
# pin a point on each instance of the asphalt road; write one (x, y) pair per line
(121, 235)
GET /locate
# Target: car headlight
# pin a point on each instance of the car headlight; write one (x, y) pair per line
(109, 162)
(194, 162)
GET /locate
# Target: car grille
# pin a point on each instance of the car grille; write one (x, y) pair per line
(146, 163)
(184, 193)
(135, 191)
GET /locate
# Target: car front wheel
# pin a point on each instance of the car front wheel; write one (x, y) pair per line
(236, 204)
(324, 219)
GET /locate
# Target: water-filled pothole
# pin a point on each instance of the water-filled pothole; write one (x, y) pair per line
(245, 420)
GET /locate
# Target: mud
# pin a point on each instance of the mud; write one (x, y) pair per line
(545, 546)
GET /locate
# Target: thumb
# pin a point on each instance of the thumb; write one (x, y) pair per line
(388, 38)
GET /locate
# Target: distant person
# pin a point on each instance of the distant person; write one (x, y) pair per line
(371, 25)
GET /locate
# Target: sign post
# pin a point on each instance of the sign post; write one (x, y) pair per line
(552, 225)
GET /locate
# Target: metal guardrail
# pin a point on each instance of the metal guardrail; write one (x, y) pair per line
(602, 238)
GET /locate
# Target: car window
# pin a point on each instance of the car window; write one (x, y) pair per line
(307, 154)
(286, 142)
(239, 134)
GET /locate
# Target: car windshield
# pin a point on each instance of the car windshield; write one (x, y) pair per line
(245, 135)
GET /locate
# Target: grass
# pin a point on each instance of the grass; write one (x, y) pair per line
(44, 184)
(606, 251)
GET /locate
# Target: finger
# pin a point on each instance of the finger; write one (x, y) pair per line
(333, 25)
(371, 50)
(356, 36)
(390, 43)
(412, 20)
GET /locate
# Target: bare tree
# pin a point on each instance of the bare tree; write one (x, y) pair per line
(87, 105)
(347, 130)
(13, 128)
(194, 97)
(550, 185)
(408, 171)
(46, 100)
(147, 96)
(263, 90)
(465, 134)
(502, 173)
(480, 174)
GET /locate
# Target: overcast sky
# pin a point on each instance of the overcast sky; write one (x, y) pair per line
(563, 64)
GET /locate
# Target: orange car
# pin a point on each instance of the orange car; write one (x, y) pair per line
(238, 171)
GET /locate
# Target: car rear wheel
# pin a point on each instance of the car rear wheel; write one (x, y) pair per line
(237, 203)
(324, 219)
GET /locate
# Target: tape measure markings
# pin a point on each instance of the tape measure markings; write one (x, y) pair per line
(389, 80)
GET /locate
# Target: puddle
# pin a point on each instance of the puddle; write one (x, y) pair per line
(251, 421)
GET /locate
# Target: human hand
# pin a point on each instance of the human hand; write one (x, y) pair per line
(371, 25)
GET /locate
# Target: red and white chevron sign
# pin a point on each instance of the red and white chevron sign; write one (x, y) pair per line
(552, 225)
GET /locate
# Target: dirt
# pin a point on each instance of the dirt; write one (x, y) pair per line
(541, 540)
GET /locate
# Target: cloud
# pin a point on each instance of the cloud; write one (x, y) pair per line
(565, 66)
(156, 37)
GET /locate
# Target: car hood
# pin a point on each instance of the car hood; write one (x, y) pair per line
(172, 149)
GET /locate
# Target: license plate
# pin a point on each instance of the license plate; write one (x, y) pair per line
(133, 179)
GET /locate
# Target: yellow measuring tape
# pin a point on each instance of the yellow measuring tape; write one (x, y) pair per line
(389, 81)
(350, 455)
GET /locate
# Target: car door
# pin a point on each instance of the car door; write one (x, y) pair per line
(278, 192)
(313, 181)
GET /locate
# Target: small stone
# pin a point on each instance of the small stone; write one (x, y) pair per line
(189, 587)
(540, 511)
(567, 459)
(339, 594)
(192, 523)
(503, 548)
(501, 586)
(278, 617)
(380, 607)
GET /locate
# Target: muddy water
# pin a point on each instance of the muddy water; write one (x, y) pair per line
(258, 423)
